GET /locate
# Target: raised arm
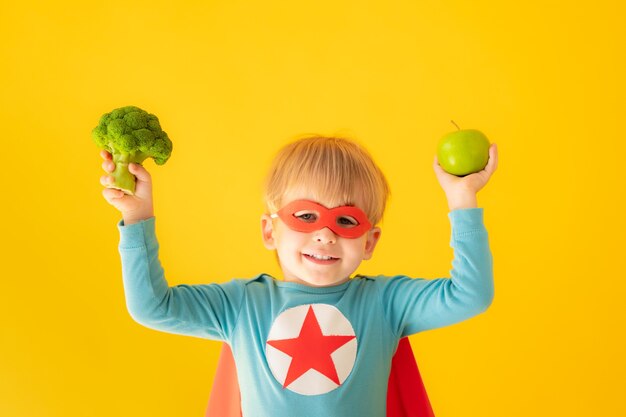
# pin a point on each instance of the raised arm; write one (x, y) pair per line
(207, 311)
(417, 304)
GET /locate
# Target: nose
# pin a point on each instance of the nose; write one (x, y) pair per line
(324, 235)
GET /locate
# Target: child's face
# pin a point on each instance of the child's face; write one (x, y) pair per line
(296, 249)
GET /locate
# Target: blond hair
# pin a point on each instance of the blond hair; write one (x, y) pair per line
(335, 170)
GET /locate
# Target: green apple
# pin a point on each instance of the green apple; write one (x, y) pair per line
(463, 152)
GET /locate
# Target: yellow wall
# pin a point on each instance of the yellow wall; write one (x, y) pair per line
(231, 81)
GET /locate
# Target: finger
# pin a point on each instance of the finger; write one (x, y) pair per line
(440, 173)
(112, 195)
(108, 166)
(438, 168)
(436, 165)
(105, 155)
(492, 164)
(139, 171)
(106, 180)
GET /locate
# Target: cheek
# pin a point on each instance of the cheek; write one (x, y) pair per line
(287, 240)
(362, 242)
(356, 248)
(280, 234)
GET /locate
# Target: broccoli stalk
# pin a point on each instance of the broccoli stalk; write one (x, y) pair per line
(123, 179)
(131, 134)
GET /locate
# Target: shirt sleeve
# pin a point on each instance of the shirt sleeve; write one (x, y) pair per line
(413, 305)
(207, 311)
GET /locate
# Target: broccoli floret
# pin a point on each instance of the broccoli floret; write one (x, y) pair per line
(131, 134)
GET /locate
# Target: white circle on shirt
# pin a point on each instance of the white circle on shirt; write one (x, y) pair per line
(311, 348)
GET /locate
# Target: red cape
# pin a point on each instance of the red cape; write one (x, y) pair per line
(406, 395)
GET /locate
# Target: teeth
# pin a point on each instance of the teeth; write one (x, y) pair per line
(325, 258)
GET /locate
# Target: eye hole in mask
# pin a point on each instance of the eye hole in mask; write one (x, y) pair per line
(308, 216)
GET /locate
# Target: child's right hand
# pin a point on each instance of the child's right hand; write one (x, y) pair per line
(134, 208)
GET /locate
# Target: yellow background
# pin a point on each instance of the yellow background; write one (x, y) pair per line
(231, 81)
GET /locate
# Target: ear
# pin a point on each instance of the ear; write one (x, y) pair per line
(267, 231)
(372, 239)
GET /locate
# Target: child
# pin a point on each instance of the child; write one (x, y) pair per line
(317, 343)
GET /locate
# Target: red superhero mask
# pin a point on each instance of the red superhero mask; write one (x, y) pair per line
(308, 216)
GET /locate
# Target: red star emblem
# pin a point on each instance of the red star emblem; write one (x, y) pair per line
(311, 350)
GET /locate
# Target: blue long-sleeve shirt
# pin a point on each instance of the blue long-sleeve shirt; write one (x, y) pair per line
(310, 351)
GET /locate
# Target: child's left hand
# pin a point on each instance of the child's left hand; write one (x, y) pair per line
(461, 191)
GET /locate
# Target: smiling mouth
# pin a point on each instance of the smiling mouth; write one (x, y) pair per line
(318, 259)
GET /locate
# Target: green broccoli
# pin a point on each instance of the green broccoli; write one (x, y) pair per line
(131, 134)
